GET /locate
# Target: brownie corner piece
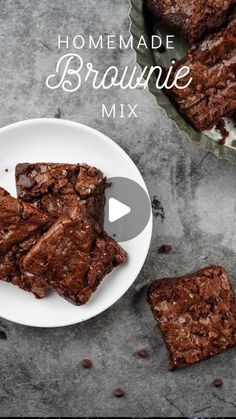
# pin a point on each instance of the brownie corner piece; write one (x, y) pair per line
(196, 315)
(74, 256)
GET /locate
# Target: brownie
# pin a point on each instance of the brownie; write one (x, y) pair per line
(196, 315)
(191, 18)
(55, 187)
(20, 227)
(73, 256)
(212, 92)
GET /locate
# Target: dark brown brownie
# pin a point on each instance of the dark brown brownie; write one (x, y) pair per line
(196, 315)
(74, 256)
(192, 18)
(55, 187)
(212, 92)
(20, 227)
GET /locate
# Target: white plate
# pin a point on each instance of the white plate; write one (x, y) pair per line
(52, 140)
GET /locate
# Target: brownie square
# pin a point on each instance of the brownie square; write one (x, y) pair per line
(212, 92)
(74, 256)
(55, 187)
(196, 315)
(191, 18)
(20, 227)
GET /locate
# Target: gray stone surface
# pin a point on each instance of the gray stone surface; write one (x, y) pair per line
(40, 369)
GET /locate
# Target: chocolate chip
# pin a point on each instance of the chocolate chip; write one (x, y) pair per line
(218, 382)
(119, 392)
(3, 335)
(6, 170)
(165, 248)
(142, 353)
(92, 171)
(86, 363)
(213, 301)
(224, 315)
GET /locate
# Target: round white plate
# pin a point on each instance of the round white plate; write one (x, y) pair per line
(53, 140)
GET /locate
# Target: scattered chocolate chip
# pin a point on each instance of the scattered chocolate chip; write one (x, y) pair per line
(142, 353)
(86, 363)
(119, 392)
(218, 382)
(3, 335)
(165, 248)
(58, 114)
(6, 170)
(158, 209)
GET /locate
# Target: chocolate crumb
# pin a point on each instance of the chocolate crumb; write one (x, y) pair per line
(119, 392)
(157, 208)
(86, 363)
(58, 114)
(142, 353)
(165, 248)
(3, 335)
(223, 131)
(218, 382)
(6, 170)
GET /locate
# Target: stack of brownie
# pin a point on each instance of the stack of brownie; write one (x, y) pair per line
(52, 236)
(210, 28)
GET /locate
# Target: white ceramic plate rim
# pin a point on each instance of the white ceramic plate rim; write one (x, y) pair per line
(148, 228)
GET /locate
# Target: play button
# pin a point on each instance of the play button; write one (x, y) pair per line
(127, 210)
(117, 210)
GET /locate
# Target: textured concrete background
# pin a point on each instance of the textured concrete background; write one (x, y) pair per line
(40, 369)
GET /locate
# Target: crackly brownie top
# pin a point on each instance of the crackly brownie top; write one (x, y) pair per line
(55, 187)
(74, 256)
(192, 18)
(18, 221)
(212, 92)
(196, 314)
(20, 227)
(11, 270)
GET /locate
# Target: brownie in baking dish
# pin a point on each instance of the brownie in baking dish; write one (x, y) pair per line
(196, 315)
(73, 256)
(191, 18)
(55, 187)
(20, 227)
(212, 92)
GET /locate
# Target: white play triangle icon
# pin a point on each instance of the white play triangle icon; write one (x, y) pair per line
(117, 210)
